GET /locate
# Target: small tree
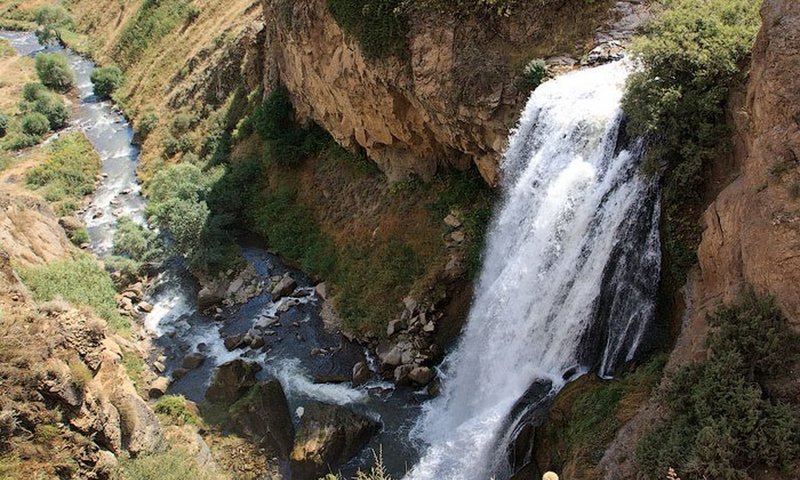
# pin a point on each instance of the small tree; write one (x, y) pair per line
(54, 72)
(35, 124)
(534, 73)
(51, 18)
(106, 80)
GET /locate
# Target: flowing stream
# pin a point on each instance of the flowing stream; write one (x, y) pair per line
(569, 276)
(177, 328)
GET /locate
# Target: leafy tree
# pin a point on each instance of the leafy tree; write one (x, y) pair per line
(106, 80)
(35, 124)
(51, 19)
(54, 72)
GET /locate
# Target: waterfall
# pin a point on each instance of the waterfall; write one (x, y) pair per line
(569, 278)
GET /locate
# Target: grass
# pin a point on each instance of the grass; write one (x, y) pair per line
(153, 21)
(135, 367)
(174, 407)
(80, 281)
(377, 25)
(68, 174)
(173, 464)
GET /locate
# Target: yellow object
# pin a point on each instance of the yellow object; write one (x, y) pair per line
(550, 476)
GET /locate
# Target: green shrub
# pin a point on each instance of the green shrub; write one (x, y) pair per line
(135, 241)
(46, 433)
(79, 372)
(51, 19)
(68, 174)
(147, 124)
(54, 72)
(51, 106)
(80, 237)
(80, 281)
(106, 80)
(35, 124)
(3, 124)
(722, 425)
(690, 55)
(377, 25)
(152, 21)
(174, 407)
(126, 268)
(534, 73)
(21, 140)
(32, 90)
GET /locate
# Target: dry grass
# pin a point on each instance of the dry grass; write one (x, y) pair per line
(17, 71)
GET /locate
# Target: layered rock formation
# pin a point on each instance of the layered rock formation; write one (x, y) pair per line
(450, 103)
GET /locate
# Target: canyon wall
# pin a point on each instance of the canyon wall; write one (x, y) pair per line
(450, 103)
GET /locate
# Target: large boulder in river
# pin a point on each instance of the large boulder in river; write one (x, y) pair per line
(328, 436)
(263, 417)
(207, 297)
(231, 381)
(284, 287)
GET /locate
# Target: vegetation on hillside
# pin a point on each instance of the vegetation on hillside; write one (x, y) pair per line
(692, 54)
(80, 281)
(725, 422)
(68, 174)
(152, 21)
(52, 20)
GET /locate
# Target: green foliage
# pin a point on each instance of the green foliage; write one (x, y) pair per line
(68, 174)
(288, 143)
(722, 425)
(106, 80)
(690, 55)
(174, 407)
(126, 268)
(36, 98)
(80, 237)
(54, 72)
(377, 25)
(135, 241)
(4, 120)
(51, 19)
(147, 124)
(534, 73)
(152, 21)
(173, 464)
(35, 124)
(80, 281)
(46, 433)
(79, 372)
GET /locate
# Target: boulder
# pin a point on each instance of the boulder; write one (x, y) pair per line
(401, 373)
(322, 291)
(420, 376)
(452, 221)
(70, 224)
(193, 360)
(207, 298)
(145, 307)
(158, 387)
(284, 287)
(328, 436)
(395, 326)
(263, 417)
(257, 342)
(361, 373)
(231, 381)
(232, 342)
(389, 354)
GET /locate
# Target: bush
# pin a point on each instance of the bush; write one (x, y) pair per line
(80, 281)
(106, 80)
(32, 90)
(152, 21)
(51, 19)
(690, 56)
(174, 407)
(68, 174)
(135, 241)
(147, 124)
(54, 72)
(377, 25)
(35, 124)
(51, 106)
(722, 425)
(3, 124)
(80, 237)
(534, 73)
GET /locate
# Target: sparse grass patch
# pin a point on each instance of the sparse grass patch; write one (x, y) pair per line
(173, 464)
(377, 25)
(80, 281)
(135, 367)
(79, 372)
(175, 408)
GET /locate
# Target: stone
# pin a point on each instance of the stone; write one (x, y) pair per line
(458, 236)
(233, 342)
(193, 360)
(322, 291)
(389, 354)
(263, 417)
(284, 288)
(407, 357)
(207, 298)
(452, 221)
(231, 381)
(257, 342)
(429, 327)
(71, 224)
(394, 327)
(265, 322)
(401, 373)
(159, 367)
(179, 373)
(361, 373)
(145, 307)
(420, 376)
(158, 387)
(328, 436)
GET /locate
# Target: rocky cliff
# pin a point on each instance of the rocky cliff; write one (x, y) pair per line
(453, 99)
(751, 237)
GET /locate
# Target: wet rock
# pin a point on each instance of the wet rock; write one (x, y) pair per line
(208, 297)
(179, 373)
(361, 373)
(389, 354)
(231, 381)
(605, 52)
(158, 387)
(266, 322)
(144, 307)
(401, 373)
(233, 342)
(193, 360)
(257, 342)
(328, 436)
(420, 376)
(263, 417)
(285, 287)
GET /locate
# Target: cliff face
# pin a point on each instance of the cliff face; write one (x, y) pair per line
(450, 103)
(751, 235)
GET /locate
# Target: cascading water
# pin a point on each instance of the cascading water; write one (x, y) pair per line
(570, 271)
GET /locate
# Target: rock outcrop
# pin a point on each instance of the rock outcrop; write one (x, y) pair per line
(450, 103)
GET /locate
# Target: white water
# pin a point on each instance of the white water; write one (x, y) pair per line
(569, 204)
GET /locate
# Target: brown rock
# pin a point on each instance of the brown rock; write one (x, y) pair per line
(284, 287)
(231, 381)
(158, 387)
(420, 376)
(193, 360)
(361, 373)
